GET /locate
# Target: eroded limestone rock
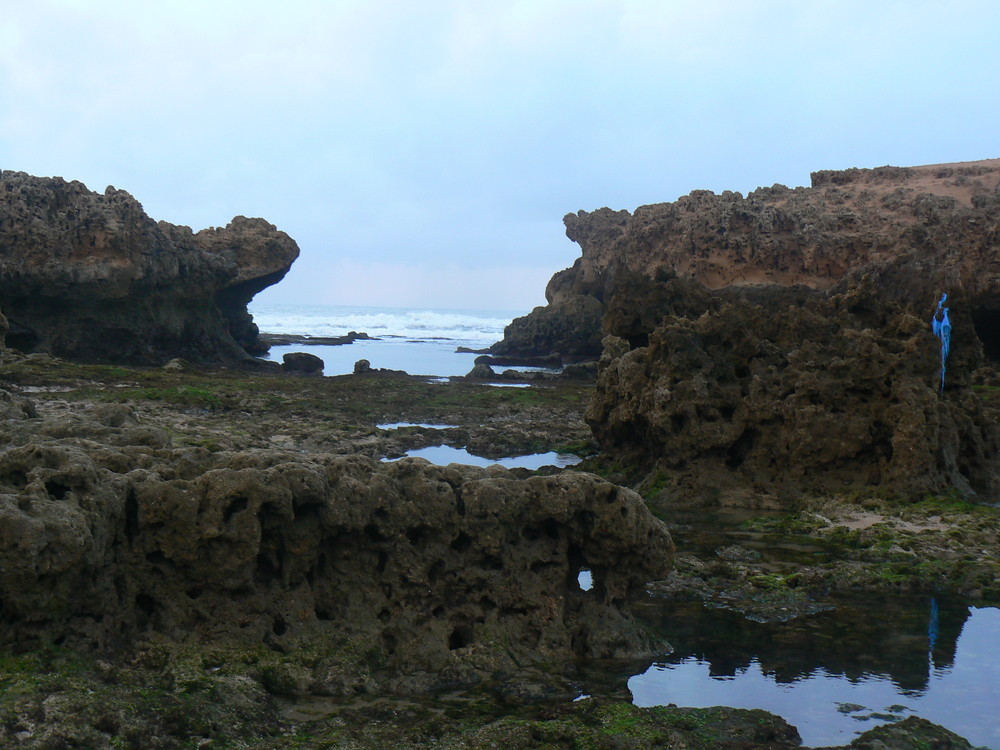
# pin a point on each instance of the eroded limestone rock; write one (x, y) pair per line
(90, 276)
(780, 341)
(449, 572)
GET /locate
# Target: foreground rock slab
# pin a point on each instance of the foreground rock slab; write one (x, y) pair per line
(374, 573)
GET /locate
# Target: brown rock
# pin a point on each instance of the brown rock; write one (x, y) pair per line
(302, 362)
(782, 339)
(92, 277)
(448, 572)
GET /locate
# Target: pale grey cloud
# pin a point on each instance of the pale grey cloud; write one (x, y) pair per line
(444, 140)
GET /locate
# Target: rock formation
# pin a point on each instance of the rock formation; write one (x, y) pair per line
(783, 338)
(302, 363)
(388, 570)
(91, 277)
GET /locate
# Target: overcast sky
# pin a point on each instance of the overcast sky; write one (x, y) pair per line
(424, 153)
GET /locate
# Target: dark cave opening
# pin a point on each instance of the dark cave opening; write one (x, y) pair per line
(987, 324)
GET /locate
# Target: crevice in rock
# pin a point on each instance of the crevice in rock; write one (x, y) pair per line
(986, 322)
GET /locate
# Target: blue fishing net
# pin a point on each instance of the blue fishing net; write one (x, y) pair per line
(942, 329)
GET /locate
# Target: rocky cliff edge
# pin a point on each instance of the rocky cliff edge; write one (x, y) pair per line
(90, 276)
(783, 338)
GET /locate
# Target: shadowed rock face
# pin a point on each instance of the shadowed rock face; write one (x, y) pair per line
(783, 338)
(451, 571)
(91, 277)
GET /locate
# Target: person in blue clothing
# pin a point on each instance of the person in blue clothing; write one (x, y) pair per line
(941, 327)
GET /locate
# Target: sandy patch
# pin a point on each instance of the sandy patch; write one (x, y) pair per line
(859, 521)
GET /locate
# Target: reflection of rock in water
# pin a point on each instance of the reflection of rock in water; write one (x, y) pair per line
(854, 640)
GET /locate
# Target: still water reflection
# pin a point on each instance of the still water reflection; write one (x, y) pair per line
(835, 674)
(445, 454)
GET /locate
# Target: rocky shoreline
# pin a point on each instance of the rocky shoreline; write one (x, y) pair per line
(239, 630)
(212, 552)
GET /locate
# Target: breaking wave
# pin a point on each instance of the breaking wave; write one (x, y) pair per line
(475, 328)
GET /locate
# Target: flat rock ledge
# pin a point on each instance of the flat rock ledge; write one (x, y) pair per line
(385, 575)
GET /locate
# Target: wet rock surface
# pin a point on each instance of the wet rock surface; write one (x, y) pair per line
(91, 277)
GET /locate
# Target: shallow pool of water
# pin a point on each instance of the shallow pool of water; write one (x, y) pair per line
(837, 674)
(443, 455)
(832, 674)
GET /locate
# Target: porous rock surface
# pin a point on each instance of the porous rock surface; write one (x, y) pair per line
(108, 536)
(783, 339)
(90, 276)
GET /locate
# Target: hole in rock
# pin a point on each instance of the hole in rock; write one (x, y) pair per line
(460, 637)
(156, 557)
(15, 478)
(462, 542)
(551, 528)
(21, 337)
(106, 724)
(238, 505)
(268, 565)
(418, 535)
(372, 532)
(585, 580)
(146, 606)
(638, 341)
(56, 490)
(737, 453)
(279, 627)
(987, 325)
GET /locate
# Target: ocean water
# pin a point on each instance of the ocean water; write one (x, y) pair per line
(418, 341)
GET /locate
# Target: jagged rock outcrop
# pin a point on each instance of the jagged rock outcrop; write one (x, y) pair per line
(783, 338)
(90, 276)
(567, 329)
(384, 570)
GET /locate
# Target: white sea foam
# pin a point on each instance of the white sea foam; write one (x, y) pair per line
(475, 328)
